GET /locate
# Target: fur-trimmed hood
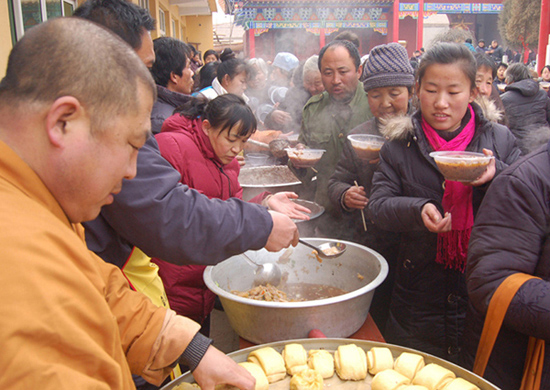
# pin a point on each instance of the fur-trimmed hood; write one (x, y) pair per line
(402, 126)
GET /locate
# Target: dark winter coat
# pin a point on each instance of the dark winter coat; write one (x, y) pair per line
(428, 301)
(167, 102)
(503, 243)
(350, 169)
(184, 144)
(527, 109)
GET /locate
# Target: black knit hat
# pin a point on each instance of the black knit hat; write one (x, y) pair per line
(387, 66)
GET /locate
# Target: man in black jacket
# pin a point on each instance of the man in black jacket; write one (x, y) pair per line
(174, 77)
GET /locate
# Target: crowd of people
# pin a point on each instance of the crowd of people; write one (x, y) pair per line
(119, 184)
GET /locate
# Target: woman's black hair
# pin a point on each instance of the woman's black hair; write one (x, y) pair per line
(224, 112)
(210, 52)
(231, 67)
(227, 54)
(545, 66)
(208, 73)
(449, 53)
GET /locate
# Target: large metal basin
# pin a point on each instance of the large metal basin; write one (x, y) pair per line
(332, 345)
(359, 270)
(272, 178)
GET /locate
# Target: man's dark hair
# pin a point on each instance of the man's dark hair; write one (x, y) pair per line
(171, 55)
(348, 36)
(486, 61)
(122, 17)
(350, 47)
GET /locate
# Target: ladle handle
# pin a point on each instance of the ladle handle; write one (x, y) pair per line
(249, 260)
(308, 244)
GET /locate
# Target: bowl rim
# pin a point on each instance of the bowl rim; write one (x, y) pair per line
(382, 275)
(378, 137)
(306, 203)
(271, 167)
(307, 149)
(452, 155)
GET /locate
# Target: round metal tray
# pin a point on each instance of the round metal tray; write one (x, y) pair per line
(335, 383)
(316, 209)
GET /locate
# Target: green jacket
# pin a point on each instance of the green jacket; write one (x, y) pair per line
(325, 125)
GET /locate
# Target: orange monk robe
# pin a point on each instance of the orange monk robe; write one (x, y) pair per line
(68, 320)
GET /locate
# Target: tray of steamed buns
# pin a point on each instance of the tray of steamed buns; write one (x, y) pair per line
(347, 364)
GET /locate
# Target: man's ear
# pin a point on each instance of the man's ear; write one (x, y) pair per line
(63, 110)
(174, 78)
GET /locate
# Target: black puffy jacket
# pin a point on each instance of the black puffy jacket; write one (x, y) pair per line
(527, 109)
(429, 301)
(511, 234)
(349, 170)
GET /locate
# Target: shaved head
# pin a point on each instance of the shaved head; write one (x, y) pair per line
(74, 57)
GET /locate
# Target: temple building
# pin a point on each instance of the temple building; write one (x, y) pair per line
(302, 27)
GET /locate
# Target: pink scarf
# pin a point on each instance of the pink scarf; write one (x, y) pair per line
(452, 247)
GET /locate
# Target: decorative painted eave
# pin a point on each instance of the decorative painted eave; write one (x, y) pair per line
(309, 3)
(314, 15)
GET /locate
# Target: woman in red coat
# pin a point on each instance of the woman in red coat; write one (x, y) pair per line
(201, 140)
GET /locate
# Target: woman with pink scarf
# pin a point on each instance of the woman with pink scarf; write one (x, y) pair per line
(434, 216)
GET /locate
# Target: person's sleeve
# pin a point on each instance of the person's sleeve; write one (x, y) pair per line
(509, 236)
(343, 178)
(170, 221)
(152, 338)
(507, 149)
(387, 207)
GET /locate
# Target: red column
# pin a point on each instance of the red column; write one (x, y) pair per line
(251, 43)
(321, 38)
(420, 25)
(543, 33)
(395, 33)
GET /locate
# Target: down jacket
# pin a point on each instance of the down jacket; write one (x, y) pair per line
(351, 169)
(503, 243)
(183, 143)
(428, 301)
(167, 101)
(527, 109)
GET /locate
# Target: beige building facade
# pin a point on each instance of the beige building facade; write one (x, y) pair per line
(188, 20)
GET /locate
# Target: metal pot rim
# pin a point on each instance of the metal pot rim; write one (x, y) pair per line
(212, 285)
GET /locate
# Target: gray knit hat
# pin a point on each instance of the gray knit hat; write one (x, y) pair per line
(388, 65)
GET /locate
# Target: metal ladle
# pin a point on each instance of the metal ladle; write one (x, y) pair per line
(325, 249)
(265, 273)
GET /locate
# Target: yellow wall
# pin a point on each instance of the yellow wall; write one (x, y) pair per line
(5, 37)
(200, 30)
(192, 29)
